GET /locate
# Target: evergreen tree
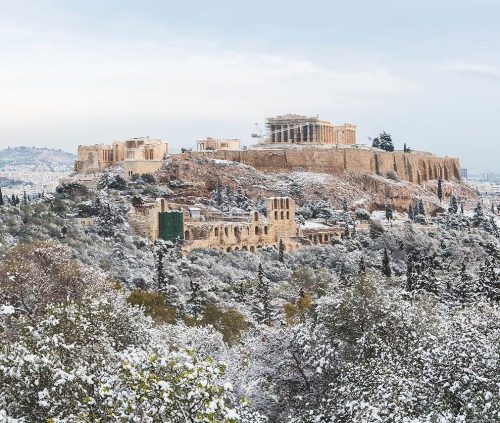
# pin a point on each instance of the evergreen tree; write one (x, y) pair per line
(462, 207)
(346, 231)
(353, 232)
(478, 217)
(240, 197)
(386, 264)
(453, 205)
(195, 304)
(1, 198)
(281, 251)
(362, 267)
(440, 190)
(343, 276)
(389, 212)
(411, 213)
(421, 208)
(161, 279)
(386, 142)
(218, 194)
(13, 200)
(344, 205)
(376, 143)
(410, 273)
(263, 298)
(18, 201)
(489, 279)
(25, 198)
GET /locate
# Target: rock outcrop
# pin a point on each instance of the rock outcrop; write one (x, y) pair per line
(414, 167)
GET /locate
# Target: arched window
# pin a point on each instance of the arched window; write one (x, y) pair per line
(282, 215)
(287, 203)
(266, 230)
(256, 216)
(275, 203)
(256, 230)
(288, 215)
(216, 231)
(187, 235)
(275, 215)
(226, 231)
(236, 231)
(252, 249)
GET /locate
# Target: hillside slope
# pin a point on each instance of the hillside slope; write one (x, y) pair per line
(33, 157)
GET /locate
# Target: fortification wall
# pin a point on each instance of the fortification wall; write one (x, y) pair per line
(414, 167)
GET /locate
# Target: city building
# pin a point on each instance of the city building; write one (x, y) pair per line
(209, 144)
(292, 128)
(139, 155)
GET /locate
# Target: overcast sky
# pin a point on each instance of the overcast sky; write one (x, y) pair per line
(88, 71)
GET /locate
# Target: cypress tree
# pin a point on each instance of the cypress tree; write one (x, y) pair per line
(421, 208)
(362, 267)
(1, 198)
(386, 264)
(161, 279)
(411, 214)
(344, 205)
(440, 190)
(453, 204)
(263, 298)
(389, 212)
(281, 252)
(194, 301)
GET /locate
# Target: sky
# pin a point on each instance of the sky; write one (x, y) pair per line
(93, 71)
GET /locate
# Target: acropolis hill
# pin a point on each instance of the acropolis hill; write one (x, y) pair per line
(293, 142)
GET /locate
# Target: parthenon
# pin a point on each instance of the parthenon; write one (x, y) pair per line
(292, 128)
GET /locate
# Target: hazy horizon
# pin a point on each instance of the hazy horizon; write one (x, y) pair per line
(84, 72)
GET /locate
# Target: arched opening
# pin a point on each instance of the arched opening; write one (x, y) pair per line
(310, 237)
(226, 231)
(244, 248)
(256, 230)
(236, 231)
(228, 249)
(266, 230)
(187, 235)
(275, 215)
(252, 249)
(320, 238)
(236, 249)
(282, 205)
(216, 231)
(282, 215)
(287, 203)
(256, 216)
(288, 215)
(275, 203)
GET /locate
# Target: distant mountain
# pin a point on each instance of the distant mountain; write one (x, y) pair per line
(33, 157)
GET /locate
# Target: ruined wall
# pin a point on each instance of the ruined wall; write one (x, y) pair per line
(414, 167)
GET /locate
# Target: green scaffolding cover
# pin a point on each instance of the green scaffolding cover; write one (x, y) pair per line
(172, 225)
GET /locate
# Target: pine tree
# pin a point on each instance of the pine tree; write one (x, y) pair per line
(411, 213)
(440, 190)
(161, 279)
(388, 212)
(410, 273)
(18, 201)
(362, 267)
(346, 231)
(421, 208)
(404, 148)
(489, 279)
(343, 276)
(462, 207)
(478, 217)
(453, 204)
(1, 198)
(25, 198)
(195, 301)
(386, 264)
(218, 194)
(281, 251)
(13, 200)
(386, 142)
(263, 298)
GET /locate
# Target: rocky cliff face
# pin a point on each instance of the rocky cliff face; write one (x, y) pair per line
(201, 175)
(413, 167)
